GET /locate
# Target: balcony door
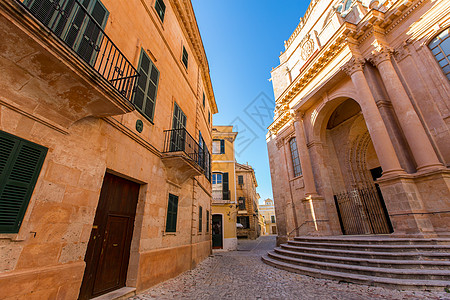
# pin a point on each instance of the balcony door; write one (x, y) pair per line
(178, 136)
(217, 187)
(79, 28)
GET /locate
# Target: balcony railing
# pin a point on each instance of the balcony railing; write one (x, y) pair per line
(80, 27)
(177, 140)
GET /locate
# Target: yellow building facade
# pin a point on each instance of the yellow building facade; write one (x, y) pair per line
(247, 202)
(223, 189)
(105, 136)
(267, 211)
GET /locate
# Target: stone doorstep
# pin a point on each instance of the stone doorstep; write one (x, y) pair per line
(398, 263)
(411, 274)
(120, 294)
(373, 240)
(415, 255)
(409, 284)
(374, 247)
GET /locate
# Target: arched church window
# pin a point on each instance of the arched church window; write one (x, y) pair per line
(295, 158)
(440, 47)
(348, 4)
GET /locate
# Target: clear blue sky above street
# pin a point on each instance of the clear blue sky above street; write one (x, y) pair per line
(243, 40)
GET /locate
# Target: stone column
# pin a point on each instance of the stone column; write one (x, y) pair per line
(303, 152)
(377, 129)
(415, 134)
(316, 216)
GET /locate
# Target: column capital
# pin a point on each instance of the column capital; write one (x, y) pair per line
(353, 65)
(381, 54)
(297, 116)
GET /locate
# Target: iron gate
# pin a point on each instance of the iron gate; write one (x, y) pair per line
(362, 211)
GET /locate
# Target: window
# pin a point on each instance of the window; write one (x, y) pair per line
(20, 164)
(172, 211)
(178, 134)
(295, 159)
(245, 221)
(209, 117)
(145, 96)
(200, 219)
(79, 31)
(348, 4)
(272, 218)
(241, 203)
(207, 221)
(160, 9)
(204, 100)
(185, 57)
(440, 47)
(218, 146)
(217, 178)
(240, 179)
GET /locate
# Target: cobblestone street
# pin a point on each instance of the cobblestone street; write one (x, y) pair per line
(242, 275)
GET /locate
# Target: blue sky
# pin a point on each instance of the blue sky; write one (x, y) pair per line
(243, 39)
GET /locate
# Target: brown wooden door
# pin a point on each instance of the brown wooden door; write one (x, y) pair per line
(108, 249)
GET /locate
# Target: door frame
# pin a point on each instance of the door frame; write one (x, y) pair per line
(223, 227)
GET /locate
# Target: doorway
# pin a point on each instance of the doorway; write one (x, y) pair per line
(108, 250)
(217, 232)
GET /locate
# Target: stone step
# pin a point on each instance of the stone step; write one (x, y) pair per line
(412, 255)
(410, 284)
(369, 262)
(373, 247)
(379, 239)
(364, 270)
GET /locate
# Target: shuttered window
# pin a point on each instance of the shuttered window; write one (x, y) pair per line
(240, 179)
(172, 211)
(160, 9)
(207, 221)
(200, 219)
(185, 57)
(145, 97)
(241, 203)
(20, 164)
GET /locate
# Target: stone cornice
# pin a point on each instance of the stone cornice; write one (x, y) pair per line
(185, 14)
(302, 22)
(280, 122)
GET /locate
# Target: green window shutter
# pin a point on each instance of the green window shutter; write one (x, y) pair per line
(160, 9)
(200, 219)
(172, 211)
(207, 221)
(222, 146)
(20, 164)
(185, 57)
(225, 187)
(145, 97)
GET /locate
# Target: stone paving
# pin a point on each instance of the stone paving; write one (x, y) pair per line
(242, 275)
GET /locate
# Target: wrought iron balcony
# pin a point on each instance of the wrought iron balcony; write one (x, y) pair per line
(179, 143)
(80, 27)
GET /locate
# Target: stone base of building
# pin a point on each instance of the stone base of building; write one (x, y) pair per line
(64, 281)
(230, 244)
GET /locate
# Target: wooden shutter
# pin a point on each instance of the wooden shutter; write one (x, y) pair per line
(145, 97)
(172, 212)
(200, 219)
(207, 221)
(225, 187)
(20, 164)
(240, 179)
(222, 146)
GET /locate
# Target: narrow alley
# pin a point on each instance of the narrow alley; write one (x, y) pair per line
(242, 275)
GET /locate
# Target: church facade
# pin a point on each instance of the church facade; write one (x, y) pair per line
(360, 142)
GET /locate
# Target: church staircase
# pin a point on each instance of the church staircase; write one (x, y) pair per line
(401, 263)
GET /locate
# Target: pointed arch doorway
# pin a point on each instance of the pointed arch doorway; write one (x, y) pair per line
(354, 168)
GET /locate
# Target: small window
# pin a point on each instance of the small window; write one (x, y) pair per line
(240, 179)
(20, 164)
(245, 221)
(241, 203)
(207, 221)
(172, 211)
(272, 218)
(348, 4)
(440, 47)
(295, 159)
(145, 97)
(218, 146)
(185, 57)
(200, 219)
(160, 9)
(209, 117)
(204, 100)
